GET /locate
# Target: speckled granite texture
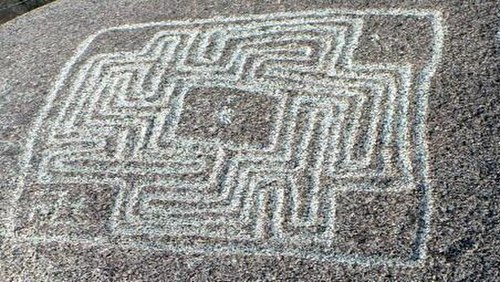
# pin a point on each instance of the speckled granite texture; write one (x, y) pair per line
(354, 140)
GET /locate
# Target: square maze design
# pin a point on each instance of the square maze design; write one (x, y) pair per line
(293, 134)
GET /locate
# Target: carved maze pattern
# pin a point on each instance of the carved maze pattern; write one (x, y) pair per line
(239, 132)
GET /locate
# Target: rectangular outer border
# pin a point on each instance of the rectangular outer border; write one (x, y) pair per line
(424, 80)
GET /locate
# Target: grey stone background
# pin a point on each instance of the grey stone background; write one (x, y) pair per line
(463, 136)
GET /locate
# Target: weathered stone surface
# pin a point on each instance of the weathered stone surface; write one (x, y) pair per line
(232, 141)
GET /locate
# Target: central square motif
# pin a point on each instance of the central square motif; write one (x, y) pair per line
(230, 117)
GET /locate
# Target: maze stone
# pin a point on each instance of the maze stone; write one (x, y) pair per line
(237, 133)
(299, 135)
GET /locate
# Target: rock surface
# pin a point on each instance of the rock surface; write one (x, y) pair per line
(237, 140)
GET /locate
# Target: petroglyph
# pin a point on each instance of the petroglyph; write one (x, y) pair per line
(229, 135)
